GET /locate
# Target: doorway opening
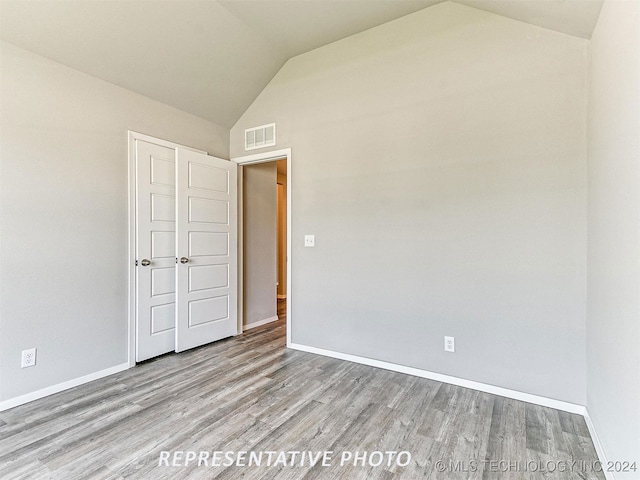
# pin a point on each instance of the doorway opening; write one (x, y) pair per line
(264, 242)
(264, 183)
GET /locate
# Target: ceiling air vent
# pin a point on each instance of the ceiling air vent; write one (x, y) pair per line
(258, 137)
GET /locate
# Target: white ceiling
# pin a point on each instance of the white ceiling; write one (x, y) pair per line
(213, 57)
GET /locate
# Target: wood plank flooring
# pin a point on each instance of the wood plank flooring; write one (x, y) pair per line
(250, 393)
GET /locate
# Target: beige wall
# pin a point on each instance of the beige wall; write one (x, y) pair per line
(260, 242)
(613, 315)
(440, 160)
(63, 215)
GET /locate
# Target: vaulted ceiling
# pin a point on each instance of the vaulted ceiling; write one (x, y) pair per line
(212, 58)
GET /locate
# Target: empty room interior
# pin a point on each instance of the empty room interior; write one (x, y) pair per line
(297, 239)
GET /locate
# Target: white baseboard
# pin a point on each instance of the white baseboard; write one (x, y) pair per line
(45, 392)
(259, 323)
(461, 382)
(598, 446)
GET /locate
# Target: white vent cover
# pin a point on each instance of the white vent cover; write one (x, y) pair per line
(258, 137)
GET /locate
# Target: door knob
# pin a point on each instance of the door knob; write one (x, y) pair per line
(184, 260)
(145, 262)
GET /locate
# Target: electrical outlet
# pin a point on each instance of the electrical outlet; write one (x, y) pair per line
(28, 358)
(449, 344)
(309, 240)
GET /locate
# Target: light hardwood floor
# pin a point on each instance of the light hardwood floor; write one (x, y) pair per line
(250, 393)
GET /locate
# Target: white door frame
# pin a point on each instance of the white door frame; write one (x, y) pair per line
(131, 257)
(248, 160)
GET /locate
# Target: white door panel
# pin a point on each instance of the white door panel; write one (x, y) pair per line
(206, 280)
(155, 243)
(208, 244)
(206, 277)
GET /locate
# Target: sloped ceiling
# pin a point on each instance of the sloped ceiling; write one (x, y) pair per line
(212, 58)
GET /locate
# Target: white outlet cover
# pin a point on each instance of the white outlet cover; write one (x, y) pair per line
(28, 358)
(449, 344)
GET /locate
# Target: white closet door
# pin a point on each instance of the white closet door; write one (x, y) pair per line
(155, 245)
(206, 233)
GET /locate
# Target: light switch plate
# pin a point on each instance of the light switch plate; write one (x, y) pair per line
(309, 240)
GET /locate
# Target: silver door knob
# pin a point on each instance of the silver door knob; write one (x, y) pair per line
(145, 262)
(184, 260)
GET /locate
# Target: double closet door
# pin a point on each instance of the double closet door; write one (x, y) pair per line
(186, 249)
